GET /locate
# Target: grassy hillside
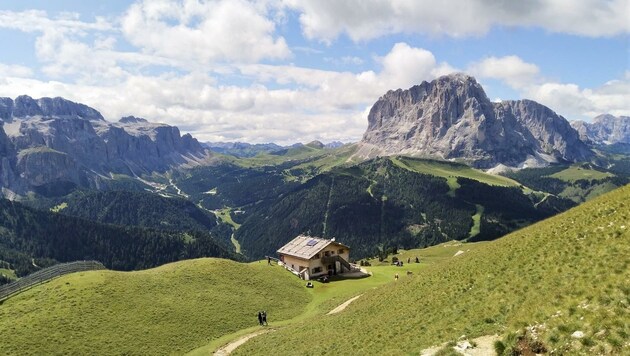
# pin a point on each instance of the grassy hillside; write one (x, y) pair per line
(451, 170)
(577, 172)
(579, 182)
(566, 274)
(167, 310)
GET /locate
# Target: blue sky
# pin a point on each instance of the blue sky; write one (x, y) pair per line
(291, 70)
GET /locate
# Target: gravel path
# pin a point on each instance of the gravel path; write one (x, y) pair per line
(227, 349)
(343, 305)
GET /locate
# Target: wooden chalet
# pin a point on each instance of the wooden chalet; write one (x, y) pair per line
(311, 257)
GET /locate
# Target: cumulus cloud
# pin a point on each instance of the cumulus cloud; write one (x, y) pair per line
(510, 69)
(576, 103)
(12, 70)
(568, 99)
(39, 21)
(308, 104)
(405, 66)
(362, 20)
(203, 31)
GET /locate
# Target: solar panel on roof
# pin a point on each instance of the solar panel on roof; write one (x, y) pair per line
(311, 243)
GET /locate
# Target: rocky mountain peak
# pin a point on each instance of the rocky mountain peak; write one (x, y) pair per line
(56, 142)
(451, 117)
(24, 106)
(605, 129)
(132, 119)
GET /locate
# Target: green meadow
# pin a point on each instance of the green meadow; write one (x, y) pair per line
(8, 273)
(452, 170)
(171, 309)
(577, 172)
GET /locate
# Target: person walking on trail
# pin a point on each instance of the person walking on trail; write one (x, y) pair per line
(268, 260)
(396, 276)
(264, 317)
(260, 318)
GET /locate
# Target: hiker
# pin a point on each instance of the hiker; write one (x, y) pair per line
(260, 318)
(408, 259)
(417, 260)
(268, 260)
(396, 276)
(264, 317)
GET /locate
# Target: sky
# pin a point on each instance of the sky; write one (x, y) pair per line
(289, 71)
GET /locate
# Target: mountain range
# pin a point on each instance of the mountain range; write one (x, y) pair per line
(451, 118)
(57, 155)
(605, 129)
(53, 143)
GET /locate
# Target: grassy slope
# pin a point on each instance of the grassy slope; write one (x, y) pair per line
(8, 273)
(577, 172)
(427, 256)
(450, 170)
(171, 309)
(567, 273)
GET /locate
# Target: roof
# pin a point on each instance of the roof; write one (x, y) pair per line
(306, 246)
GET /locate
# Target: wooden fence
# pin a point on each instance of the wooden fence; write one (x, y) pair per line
(46, 275)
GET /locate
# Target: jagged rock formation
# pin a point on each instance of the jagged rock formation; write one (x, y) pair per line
(452, 118)
(605, 129)
(56, 141)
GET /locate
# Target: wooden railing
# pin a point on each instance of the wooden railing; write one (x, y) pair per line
(46, 275)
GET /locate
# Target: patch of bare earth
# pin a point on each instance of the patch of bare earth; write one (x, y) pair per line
(483, 346)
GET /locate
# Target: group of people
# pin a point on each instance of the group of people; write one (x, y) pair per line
(262, 318)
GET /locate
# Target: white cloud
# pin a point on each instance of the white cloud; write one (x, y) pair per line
(367, 19)
(575, 103)
(309, 104)
(12, 70)
(203, 31)
(567, 99)
(405, 66)
(511, 69)
(39, 21)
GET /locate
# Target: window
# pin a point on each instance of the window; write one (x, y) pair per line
(340, 251)
(315, 257)
(317, 270)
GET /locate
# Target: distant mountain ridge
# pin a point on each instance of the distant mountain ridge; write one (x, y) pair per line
(58, 142)
(451, 118)
(605, 129)
(24, 106)
(243, 149)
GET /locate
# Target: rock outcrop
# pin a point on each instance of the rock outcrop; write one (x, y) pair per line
(605, 129)
(451, 118)
(55, 141)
